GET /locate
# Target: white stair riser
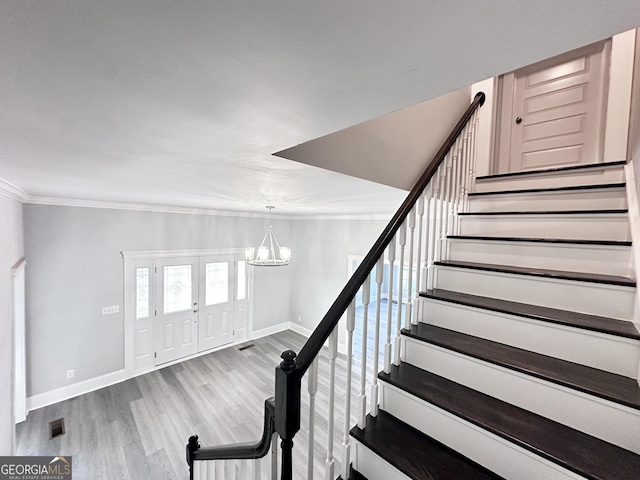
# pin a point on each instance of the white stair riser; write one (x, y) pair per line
(598, 350)
(584, 297)
(600, 418)
(581, 227)
(603, 259)
(567, 179)
(572, 200)
(372, 466)
(498, 455)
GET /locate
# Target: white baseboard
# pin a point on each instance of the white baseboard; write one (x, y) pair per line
(296, 327)
(80, 388)
(263, 332)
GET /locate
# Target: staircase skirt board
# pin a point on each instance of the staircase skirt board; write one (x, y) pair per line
(606, 226)
(604, 259)
(507, 440)
(584, 297)
(611, 353)
(550, 200)
(593, 415)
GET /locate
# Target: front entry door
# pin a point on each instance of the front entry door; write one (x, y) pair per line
(176, 320)
(552, 112)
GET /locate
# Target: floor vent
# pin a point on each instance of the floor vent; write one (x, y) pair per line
(244, 347)
(56, 428)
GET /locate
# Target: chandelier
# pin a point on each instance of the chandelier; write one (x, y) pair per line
(269, 253)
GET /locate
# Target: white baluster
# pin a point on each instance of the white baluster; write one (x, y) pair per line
(457, 169)
(387, 346)
(411, 223)
(447, 206)
(362, 397)
(242, 469)
(274, 457)
(329, 463)
(420, 211)
(346, 442)
(471, 164)
(424, 268)
(220, 473)
(255, 469)
(402, 240)
(312, 388)
(433, 230)
(199, 470)
(473, 150)
(440, 223)
(376, 341)
(465, 169)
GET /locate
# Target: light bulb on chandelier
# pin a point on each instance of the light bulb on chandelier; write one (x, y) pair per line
(269, 253)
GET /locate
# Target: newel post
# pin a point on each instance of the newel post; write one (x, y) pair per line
(287, 414)
(192, 446)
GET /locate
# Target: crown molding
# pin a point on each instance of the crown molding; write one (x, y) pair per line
(142, 207)
(10, 190)
(145, 207)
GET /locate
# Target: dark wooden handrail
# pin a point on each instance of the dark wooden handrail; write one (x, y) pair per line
(238, 451)
(290, 371)
(283, 414)
(341, 303)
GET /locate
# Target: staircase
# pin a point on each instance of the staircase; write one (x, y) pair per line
(524, 362)
(511, 355)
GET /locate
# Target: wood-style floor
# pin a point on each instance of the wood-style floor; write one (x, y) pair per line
(138, 429)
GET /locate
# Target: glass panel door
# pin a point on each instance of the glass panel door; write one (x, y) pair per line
(176, 319)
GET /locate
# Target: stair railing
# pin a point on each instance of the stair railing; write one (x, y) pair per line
(429, 213)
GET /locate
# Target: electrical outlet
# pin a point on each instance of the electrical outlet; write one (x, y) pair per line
(110, 310)
(299, 319)
(70, 374)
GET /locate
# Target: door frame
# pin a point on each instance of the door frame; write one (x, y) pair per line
(503, 109)
(617, 107)
(141, 259)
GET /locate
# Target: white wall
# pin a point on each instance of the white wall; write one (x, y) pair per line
(75, 268)
(11, 250)
(320, 269)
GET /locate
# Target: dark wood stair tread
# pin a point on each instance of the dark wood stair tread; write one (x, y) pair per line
(565, 446)
(541, 272)
(543, 171)
(610, 386)
(611, 326)
(614, 243)
(611, 211)
(417, 455)
(603, 186)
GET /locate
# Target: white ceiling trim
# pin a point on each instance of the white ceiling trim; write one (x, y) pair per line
(141, 207)
(10, 190)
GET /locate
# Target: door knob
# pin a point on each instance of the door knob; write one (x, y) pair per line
(519, 120)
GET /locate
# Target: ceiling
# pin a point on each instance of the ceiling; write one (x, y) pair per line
(183, 103)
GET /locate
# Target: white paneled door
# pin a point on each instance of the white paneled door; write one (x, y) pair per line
(552, 112)
(176, 313)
